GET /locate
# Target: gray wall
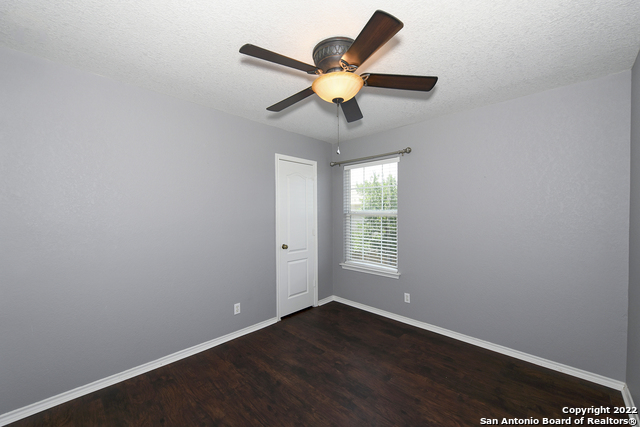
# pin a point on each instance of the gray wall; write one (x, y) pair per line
(513, 224)
(633, 351)
(130, 223)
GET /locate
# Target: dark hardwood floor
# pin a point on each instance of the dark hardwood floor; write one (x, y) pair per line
(335, 366)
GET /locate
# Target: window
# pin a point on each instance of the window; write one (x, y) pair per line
(371, 217)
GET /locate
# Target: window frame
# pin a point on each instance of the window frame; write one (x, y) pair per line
(357, 265)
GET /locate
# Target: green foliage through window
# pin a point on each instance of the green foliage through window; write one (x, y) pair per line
(371, 217)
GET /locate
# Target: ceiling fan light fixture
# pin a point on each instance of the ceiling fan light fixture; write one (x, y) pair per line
(336, 59)
(339, 84)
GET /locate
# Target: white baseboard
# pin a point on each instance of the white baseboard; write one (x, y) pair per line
(50, 402)
(326, 300)
(589, 376)
(628, 402)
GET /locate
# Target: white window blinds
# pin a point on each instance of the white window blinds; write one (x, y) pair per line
(371, 216)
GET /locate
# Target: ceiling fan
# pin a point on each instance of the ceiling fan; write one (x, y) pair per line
(337, 58)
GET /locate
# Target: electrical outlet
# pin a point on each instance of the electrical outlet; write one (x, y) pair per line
(236, 309)
(407, 298)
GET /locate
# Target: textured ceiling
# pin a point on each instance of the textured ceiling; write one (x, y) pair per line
(482, 51)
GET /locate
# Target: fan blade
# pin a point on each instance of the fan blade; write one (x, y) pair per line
(267, 55)
(351, 110)
(379, 30)
(291, 100)
(397, 81)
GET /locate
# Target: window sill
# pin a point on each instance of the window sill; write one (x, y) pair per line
(385, 272)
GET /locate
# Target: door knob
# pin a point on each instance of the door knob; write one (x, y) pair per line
(284, 246)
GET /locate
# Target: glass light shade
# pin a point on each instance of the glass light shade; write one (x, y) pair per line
(339, 84)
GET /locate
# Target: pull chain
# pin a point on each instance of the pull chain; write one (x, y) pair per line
(338, 119)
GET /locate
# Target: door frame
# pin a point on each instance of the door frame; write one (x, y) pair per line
(282, 157)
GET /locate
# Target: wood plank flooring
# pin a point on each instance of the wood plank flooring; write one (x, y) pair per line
(335, 366)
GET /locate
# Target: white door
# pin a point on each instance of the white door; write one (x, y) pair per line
(296, 243)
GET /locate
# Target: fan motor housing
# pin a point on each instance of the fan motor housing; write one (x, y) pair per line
(327, 53)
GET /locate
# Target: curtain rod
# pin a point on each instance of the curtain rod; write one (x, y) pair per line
(403, 151)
